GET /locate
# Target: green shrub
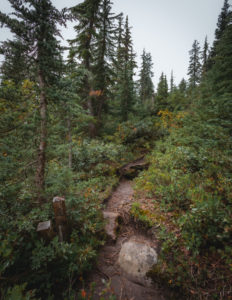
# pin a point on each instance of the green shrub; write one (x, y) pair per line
(139, 132)
(18, 292)
(141, 214)
(189, 179)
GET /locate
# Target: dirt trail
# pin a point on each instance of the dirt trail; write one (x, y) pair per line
(108, 276)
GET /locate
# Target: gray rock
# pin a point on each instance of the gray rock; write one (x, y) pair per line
(136, 259)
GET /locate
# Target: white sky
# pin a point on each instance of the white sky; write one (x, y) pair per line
(165, 28)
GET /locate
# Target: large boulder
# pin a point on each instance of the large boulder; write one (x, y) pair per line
(136, 259)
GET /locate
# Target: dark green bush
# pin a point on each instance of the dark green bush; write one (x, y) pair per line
(190, 176)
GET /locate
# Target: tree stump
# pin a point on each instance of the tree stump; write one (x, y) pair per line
(60, 218)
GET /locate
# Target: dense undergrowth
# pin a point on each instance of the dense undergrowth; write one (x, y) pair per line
(189, 184)
(51, 270)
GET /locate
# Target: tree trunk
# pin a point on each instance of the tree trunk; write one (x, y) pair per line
(60, 218)
(92, 125)
(39, 178)
(101, 101)
(70, 143)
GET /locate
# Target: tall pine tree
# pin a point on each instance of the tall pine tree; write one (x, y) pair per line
(36, 28)
(86, 13)
(205, 56)
(125, 91)
(223, 21)
(182, 86)
(221, 73)
(119, 55)
(194, 70)
(172, 82)
(162, 94)
(146, 87)
(104, 52)
(15, 66)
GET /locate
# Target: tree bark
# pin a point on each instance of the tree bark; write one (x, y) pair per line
(70, 143)
(92, 126)
(60, 218)
(39, 178)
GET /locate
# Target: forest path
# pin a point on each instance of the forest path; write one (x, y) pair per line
(111, 281)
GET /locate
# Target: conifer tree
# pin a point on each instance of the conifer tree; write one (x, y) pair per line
(182, 86)
(103, 56)
(117, 65)
(15, 65)
(221, 73)
(86, 13)
(205, 56)
(146, 87)
(217, 86)
(162, 94)
(118, 60)
(127, 48)
(223, 21)
(125, 85)
(172, 82)
(194, 70)
(36, 28)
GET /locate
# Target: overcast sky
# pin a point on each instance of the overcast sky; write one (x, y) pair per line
(165, 28)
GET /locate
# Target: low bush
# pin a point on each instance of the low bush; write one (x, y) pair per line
(189, 179)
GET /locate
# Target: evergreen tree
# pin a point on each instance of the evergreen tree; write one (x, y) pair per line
(69, 111)
(15, 65)
(182, 86)
(118, 60)
(103, 56)
(162, 94)
(146, 87)
(117, 64)
(86, 13)
(205, 56)
(125, 86)
(221, 73)
(223, 21)
(194, 70)
(177, 99)
(172, 82)
(36, 28)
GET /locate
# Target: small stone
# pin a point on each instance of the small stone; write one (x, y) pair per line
(45, 230)
(44, 226)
